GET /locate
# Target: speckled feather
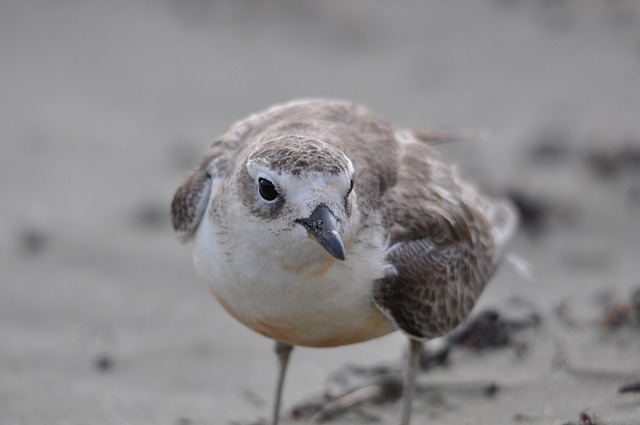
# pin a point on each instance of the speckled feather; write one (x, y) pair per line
(444, 238)
(189, 203)
(445, 241)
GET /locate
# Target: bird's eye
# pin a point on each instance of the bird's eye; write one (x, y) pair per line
(350, 187)
(267, 189)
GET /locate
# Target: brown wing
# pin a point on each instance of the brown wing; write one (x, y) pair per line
(190, 200)
(445, 241)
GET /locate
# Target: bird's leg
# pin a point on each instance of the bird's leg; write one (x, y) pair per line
(282, 351)
(415, 348)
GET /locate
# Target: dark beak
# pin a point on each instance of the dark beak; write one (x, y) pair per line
(323, 226)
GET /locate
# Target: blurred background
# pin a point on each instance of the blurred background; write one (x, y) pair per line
(106, 106)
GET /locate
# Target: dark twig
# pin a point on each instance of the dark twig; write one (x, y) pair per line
(634, 387)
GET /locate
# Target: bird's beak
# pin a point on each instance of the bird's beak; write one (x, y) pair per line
(323, 226)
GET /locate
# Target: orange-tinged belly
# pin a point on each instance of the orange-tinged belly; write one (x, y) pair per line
(316, 329)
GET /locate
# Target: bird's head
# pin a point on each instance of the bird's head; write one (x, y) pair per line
(298, 188)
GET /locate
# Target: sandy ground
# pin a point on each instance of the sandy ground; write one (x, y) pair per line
(106, 105)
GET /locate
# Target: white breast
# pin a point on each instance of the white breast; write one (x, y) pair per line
(295, 294)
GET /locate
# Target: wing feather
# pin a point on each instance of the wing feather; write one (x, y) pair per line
(191, 198)
(446, 239)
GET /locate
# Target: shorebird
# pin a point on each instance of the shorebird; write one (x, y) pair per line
(316, 223)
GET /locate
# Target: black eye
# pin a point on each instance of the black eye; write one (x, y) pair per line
(267, 189)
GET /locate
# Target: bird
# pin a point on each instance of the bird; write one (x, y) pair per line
(318, 223)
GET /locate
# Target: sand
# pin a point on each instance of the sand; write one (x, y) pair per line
(107, 105)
